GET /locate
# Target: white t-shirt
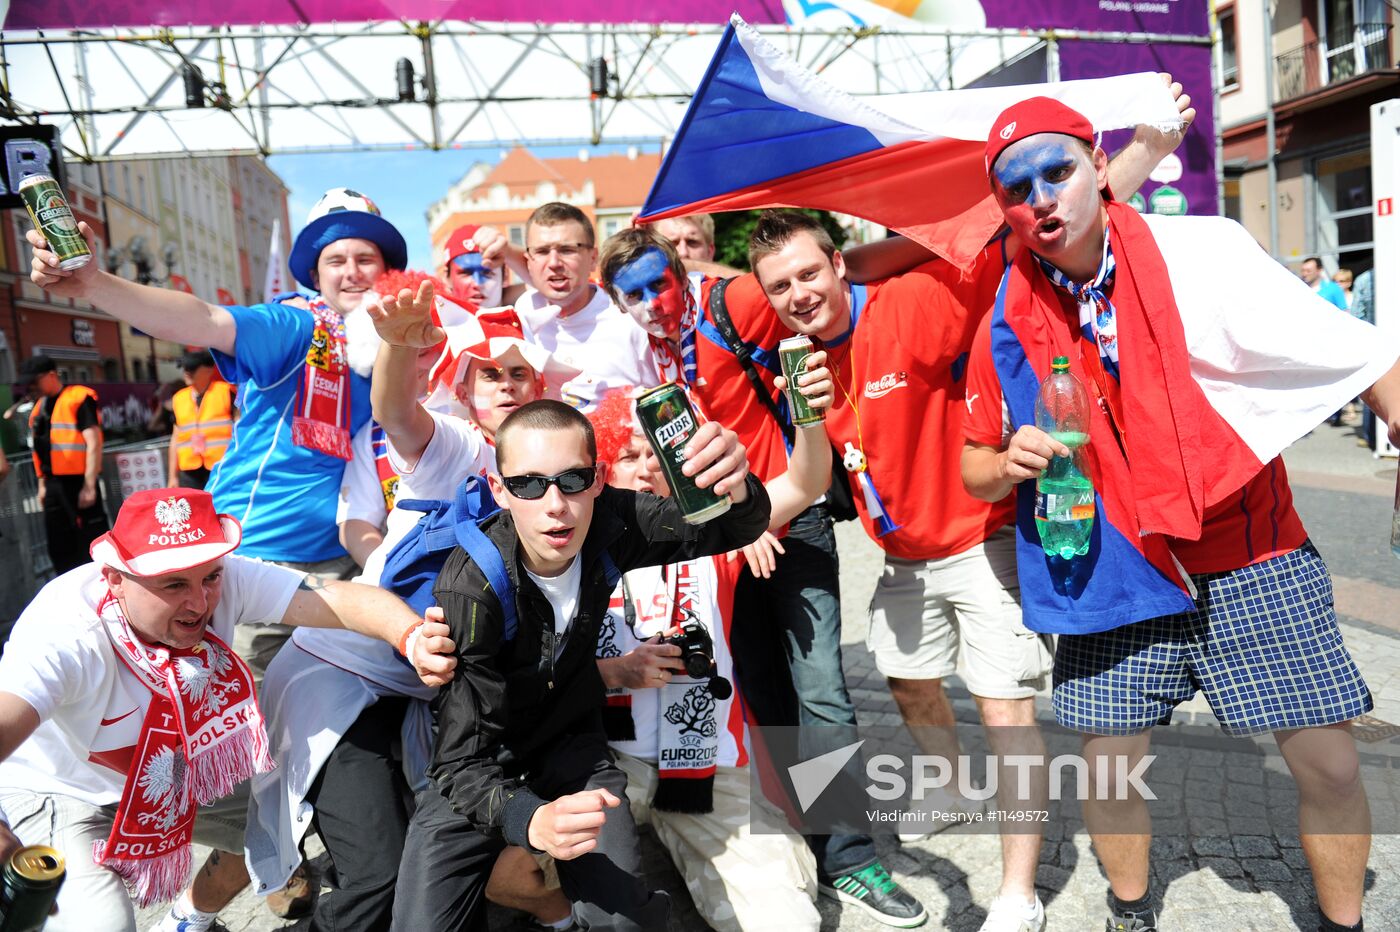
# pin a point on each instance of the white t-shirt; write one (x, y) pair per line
(562, 593)
(91, 706)
(361, 495)
(600, 340)
(705, 587)
(456, 450)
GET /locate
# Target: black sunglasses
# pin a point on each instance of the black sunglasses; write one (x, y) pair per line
(570, 482)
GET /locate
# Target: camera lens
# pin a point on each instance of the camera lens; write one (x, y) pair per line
(697, 665)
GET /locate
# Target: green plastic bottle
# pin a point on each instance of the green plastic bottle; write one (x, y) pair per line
(1064, 494)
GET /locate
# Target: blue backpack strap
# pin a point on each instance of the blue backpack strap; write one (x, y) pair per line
(473, 503)
(610, 571)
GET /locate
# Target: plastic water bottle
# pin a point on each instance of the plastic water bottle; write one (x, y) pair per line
(1064, 494)
(1395, 522)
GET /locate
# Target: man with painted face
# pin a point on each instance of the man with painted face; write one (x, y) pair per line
(1199, 574)
(349, 719)
(472, 277)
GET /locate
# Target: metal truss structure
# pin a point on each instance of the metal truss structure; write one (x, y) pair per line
(118, 93)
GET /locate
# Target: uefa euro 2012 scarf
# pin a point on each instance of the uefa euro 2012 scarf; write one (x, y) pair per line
(202, 735)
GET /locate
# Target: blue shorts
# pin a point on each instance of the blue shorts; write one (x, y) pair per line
(1262, 644)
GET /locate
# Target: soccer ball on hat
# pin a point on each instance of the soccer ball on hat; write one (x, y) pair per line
(339, 199)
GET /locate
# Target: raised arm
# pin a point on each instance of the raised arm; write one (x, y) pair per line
(1383, 398)
(405, 324)
(1132, 164)
(161, 312)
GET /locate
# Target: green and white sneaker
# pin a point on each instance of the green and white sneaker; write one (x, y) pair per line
(875, 891)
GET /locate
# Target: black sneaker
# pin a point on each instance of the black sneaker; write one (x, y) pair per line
(1132, 922)
(875, 891)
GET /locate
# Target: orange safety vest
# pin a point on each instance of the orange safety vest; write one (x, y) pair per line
(67, 449)
(203, 431)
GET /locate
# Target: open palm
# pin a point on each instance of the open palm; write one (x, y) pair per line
(406, 319)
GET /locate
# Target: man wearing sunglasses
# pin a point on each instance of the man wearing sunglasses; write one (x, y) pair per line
(571, 317)
(522, 756)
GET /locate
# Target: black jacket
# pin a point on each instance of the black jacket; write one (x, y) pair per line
(510, 700)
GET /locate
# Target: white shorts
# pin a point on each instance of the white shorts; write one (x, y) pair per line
(926, 615)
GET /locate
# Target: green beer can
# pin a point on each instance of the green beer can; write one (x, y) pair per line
(669, 422)
(793, 352)
(54, 220)
(28, 887)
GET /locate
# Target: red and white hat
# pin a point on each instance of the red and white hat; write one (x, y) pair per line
(165, 531)
(1030, 117)
(487, 335)
(460, 241)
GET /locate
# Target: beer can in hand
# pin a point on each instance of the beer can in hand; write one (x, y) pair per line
(793, 352)
(54, 220)
(669, 421)
(28, 888)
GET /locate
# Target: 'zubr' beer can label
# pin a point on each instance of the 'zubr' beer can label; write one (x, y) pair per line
(669, 422)
(793, 351)
(28, 887)
(54, 220)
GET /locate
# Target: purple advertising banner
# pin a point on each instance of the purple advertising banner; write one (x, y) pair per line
(1185, 182)
(1177, 17)
(76, 14)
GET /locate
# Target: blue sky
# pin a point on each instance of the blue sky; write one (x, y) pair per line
(403, 184)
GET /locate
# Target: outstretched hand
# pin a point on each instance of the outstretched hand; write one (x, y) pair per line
(45, 272)
(406, 319)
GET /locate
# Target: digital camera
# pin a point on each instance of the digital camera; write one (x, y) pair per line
(698, 654)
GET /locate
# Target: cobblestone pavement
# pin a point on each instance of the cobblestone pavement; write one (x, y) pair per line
(1240, 868)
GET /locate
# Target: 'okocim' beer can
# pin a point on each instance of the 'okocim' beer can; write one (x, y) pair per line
(793, 352)
(28, 887)
(669, 422)
(54, 220)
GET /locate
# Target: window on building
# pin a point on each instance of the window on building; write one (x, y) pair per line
(1233, 208)
(1354, 35)
(517, 235)
(1343, 236)
(1229, 63)
(611, 226)
(141, 191)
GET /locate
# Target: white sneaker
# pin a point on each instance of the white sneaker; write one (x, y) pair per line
(942, 811)
(1013, 914)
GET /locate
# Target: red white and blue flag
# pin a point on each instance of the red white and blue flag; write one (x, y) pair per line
(763, 131)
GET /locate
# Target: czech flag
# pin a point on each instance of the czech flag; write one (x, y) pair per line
(763, 131)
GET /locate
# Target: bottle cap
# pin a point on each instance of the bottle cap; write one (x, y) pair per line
(1060, 364)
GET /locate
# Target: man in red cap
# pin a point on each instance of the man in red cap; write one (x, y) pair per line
(1199, 574)
(124, 709)
(947, 598)
(473, 276)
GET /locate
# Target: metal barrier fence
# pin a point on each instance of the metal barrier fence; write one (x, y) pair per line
(23, 545)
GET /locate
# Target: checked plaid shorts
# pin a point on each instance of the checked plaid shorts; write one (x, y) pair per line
(1262, 644)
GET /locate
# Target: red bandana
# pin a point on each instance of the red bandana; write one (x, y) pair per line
(201, 737)
(322, 417)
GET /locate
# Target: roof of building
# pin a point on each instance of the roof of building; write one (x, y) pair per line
(618, 180)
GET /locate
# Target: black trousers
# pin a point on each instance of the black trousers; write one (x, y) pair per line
(446, 861)
(70, 529)
(363, 806)
(193, 478)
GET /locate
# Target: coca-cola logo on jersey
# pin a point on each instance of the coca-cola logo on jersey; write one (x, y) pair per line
(879, 388)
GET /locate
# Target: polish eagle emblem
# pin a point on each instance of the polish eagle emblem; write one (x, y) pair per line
(162, 784)
(173, 514)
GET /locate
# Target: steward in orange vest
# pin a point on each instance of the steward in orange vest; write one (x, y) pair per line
(65, 433)
(203, 422)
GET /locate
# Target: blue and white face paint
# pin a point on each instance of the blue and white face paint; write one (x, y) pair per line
(471, 281)
(1048, 189)
(649, 291)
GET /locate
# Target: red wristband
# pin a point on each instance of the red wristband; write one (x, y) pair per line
(403, 638)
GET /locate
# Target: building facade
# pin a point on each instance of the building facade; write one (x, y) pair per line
(1331, 60)
(609, 189)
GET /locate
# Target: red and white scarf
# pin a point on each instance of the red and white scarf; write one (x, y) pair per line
(202, 735)
(321, 420)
